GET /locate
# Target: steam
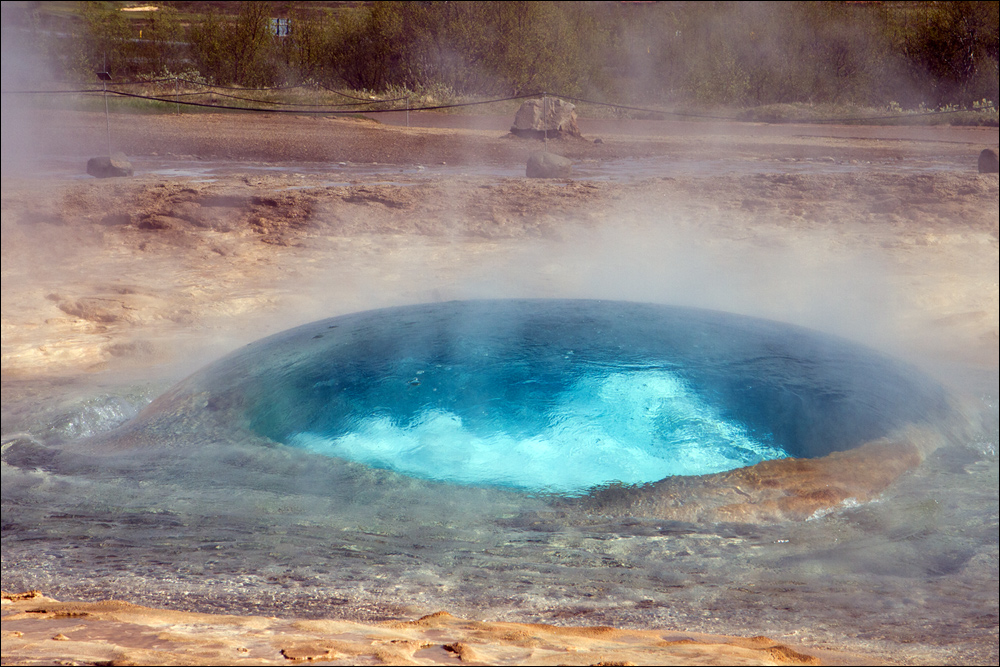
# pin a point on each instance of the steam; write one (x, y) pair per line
(23, 67)
(808, 279)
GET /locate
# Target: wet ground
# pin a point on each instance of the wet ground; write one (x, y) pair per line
(114, 290)
(618, 170)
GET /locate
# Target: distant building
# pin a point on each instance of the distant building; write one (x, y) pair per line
(281, 27)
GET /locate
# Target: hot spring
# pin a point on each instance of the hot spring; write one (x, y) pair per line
(557, 396)
(558, 460)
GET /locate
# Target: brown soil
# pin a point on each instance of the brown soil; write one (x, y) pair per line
(436, 138)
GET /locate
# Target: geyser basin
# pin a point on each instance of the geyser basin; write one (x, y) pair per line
(197, 504)
(557, 396)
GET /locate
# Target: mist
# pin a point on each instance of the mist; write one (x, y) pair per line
(20, 69)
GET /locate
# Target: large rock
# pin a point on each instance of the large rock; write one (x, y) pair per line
(547, 117)
(548, 165)
(988, 162)
(114, 166)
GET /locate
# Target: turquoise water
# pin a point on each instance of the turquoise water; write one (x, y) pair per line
(629, 427)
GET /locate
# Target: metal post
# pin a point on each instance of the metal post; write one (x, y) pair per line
(107, 118)
(177, 95)
(407, 111)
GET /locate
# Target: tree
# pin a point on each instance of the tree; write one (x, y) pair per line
(108, 39)
(236, 51)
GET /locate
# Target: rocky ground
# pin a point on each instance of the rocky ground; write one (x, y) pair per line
(813, 229)
(49, 630)
(236, 226)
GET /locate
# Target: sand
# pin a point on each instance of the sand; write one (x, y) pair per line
(235, 227)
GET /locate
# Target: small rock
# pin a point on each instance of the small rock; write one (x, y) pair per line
(988, 162)
(548, 165)
(598, 140)
(115, 166)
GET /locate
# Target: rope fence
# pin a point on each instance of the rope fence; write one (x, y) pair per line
(175, 98)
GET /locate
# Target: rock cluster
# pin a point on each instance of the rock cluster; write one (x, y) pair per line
(548, 117)
(113, 166)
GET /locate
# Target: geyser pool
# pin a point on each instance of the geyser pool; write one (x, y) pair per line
(610, 424)
(558, 396)
(203, 502)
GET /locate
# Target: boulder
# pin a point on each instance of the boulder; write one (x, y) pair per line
(988, 162)
(548, 165)
(114, 166)
(547, 117)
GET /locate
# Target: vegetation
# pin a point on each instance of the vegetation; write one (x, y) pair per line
(760, 55)
(236, 52)
(110, 35)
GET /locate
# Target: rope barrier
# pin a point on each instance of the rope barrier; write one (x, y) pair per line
(176, 79)
(172, 100)
(230, 108)
(323, 109)
(287, 104)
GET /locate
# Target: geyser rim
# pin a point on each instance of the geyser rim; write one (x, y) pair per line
(533, 300)
(308, 331)
(642, 495)
(788, 326)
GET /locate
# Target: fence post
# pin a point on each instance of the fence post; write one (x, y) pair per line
(107, 118)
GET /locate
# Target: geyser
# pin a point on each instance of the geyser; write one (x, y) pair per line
(555, 396)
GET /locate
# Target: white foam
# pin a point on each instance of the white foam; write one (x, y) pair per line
(629, 427)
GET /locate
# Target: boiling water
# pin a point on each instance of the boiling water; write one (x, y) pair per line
(398, 462)
(628, 427)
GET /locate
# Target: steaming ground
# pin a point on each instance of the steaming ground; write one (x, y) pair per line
(111, 274)
(112, 290)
